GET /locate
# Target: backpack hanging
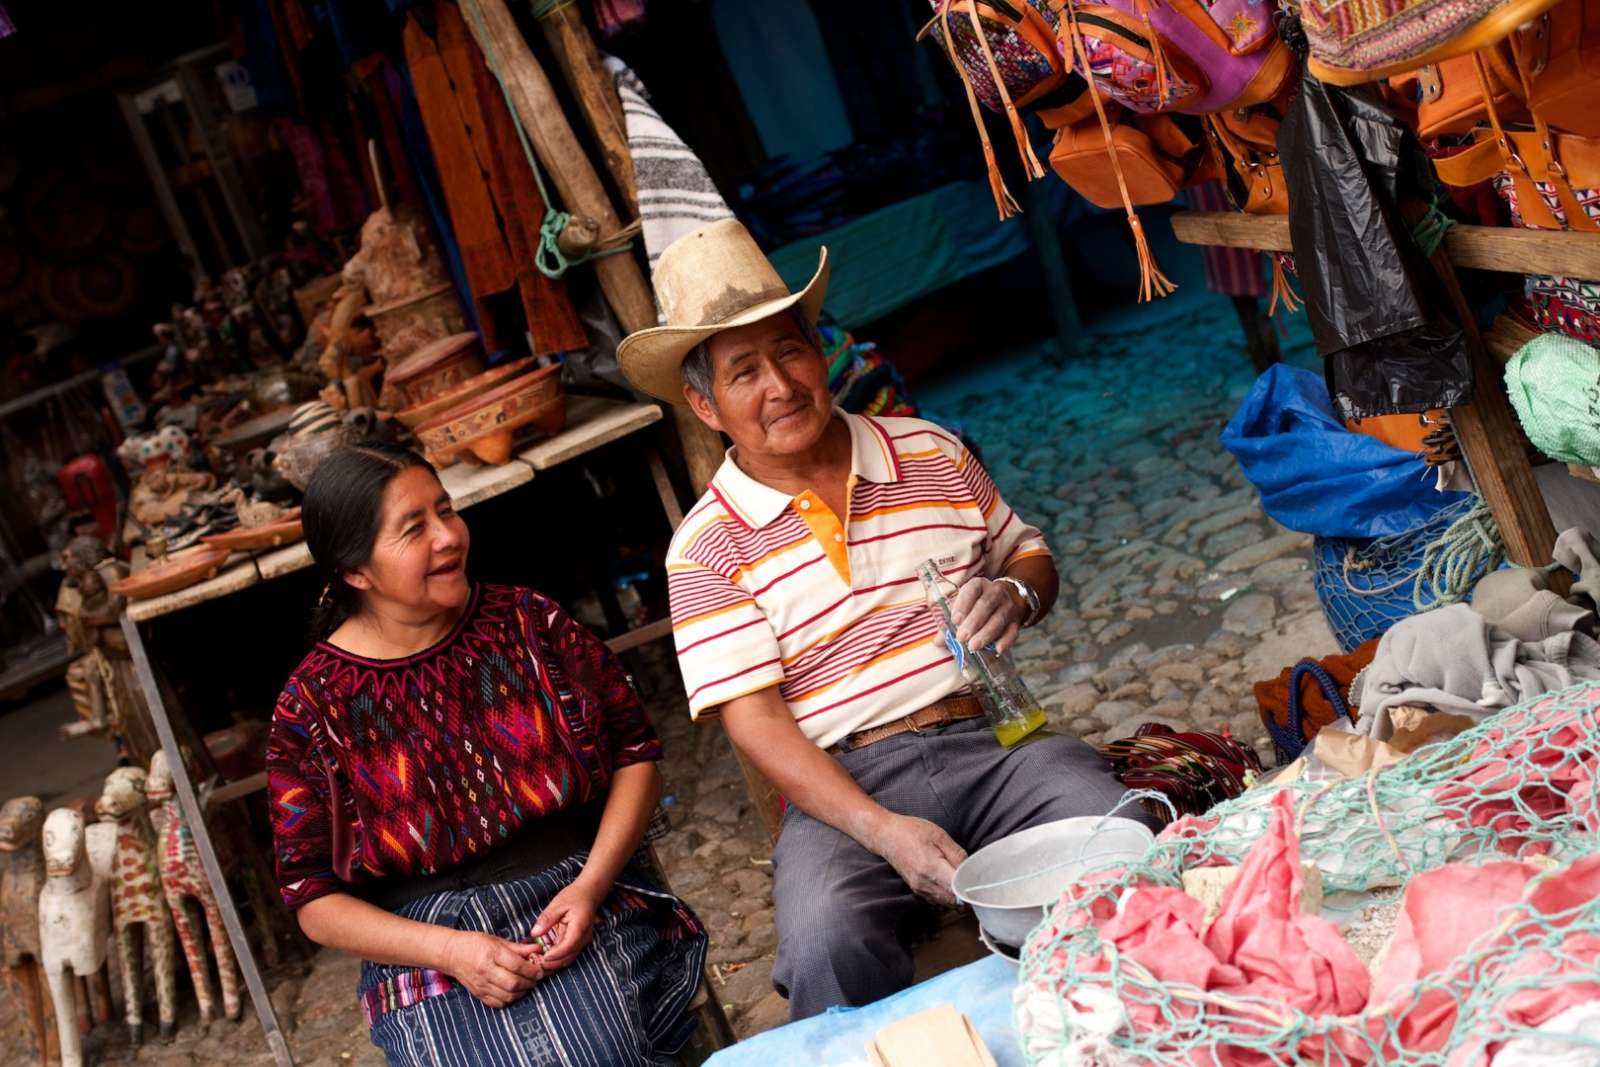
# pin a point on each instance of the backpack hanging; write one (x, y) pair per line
(1005, 54)
(1153, 154)
(1353, 43)
(1153, 56)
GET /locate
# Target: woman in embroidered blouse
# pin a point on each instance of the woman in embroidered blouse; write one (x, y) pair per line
(459, 778)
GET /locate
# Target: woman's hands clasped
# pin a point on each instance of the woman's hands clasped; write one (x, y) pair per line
(567, 924)
(494, 970)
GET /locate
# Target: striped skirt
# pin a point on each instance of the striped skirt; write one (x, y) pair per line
(623, 1001)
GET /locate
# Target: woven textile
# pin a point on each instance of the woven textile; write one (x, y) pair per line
(520, 712)
(1570, 305)
(676, 195)
(1370, 35)
(622, 1002)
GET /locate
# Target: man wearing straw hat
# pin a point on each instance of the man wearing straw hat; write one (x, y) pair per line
(800, 620)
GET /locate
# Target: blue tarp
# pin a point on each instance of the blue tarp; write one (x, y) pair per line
(981, 991)
(1318, 477)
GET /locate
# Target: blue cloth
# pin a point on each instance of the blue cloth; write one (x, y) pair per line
(885, 260)
(1318, 477)
(981, 991)
(776, 55)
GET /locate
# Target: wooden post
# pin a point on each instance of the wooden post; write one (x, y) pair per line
(575, 179)
(1053, 268)
(1491, 443)
(591, 83)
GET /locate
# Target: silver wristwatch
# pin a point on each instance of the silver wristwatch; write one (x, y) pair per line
(1029, 597)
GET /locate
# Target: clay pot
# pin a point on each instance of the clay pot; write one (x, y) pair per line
(179, 572)
(485, 426)
(457, 395)
(407, 324)
(436, 368)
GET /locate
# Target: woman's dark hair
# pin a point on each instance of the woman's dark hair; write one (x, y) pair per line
(342, 509)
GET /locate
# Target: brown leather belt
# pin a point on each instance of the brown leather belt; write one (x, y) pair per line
(939, 713)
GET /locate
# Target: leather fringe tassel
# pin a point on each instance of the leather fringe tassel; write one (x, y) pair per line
(1282, 289)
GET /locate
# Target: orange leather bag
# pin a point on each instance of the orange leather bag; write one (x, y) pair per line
(1559, 52)
(1149, 170)
(1398, 431)
(1449, 98)
(1248, 141)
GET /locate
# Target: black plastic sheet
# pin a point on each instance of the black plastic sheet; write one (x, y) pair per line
(1371, 295)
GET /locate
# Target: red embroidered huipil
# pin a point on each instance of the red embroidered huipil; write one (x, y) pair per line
(518, 713)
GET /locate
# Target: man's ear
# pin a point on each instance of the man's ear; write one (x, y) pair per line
(701, 405)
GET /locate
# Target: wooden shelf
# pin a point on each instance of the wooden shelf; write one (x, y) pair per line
(1501, 248)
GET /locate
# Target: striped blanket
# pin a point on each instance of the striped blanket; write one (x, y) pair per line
(676, 195)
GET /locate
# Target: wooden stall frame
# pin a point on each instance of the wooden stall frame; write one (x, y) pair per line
(1486, 423)
(189, 802)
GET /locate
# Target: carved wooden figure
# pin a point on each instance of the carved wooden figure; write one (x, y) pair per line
(20, 885)
(74, 924)
(137, 901)
(182, 877)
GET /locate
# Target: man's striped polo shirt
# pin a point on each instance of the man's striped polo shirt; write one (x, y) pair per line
(769, 589)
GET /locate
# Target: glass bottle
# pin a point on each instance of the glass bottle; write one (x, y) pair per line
(1012, 711)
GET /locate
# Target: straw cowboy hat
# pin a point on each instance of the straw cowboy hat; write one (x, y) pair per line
(707, 281)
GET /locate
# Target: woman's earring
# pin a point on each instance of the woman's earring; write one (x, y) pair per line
(327, 595)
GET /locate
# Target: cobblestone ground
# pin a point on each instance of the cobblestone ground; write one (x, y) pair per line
(1177, 593)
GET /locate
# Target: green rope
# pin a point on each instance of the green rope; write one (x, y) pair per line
(1430, 229)
(548, 257)
(1471, 546)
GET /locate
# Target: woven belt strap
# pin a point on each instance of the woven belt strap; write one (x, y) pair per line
(939, 713)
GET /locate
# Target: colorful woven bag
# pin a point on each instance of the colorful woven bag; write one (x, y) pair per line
(1005, 54)
(1355, 41)
(1178, 55)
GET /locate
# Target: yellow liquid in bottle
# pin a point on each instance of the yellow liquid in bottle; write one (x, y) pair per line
(1013, 730)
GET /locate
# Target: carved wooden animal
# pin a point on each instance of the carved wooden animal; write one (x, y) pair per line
(74, 924)
(183, 878)
(137, 901)
(20, 821)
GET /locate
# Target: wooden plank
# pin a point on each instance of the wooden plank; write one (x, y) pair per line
(591, 422)
(1505, 336)
(1498, 248)
(471, 483)
(234, 790)
(1233, 229)
(194, 818)
(239, 576)
(640, 635)
(281, 561)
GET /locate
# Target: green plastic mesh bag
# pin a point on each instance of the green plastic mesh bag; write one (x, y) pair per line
(1554, 385)
(1519, 786)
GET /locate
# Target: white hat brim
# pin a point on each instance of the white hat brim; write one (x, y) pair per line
(653, 359)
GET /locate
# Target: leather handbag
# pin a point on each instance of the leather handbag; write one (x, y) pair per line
(1549, 181)
(1559, 53)
(1149, 174)
(1449, 100)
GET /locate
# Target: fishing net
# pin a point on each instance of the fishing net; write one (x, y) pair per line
(1481, 852)
(1367, 585)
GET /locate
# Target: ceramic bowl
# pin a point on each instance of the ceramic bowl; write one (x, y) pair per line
(251, 538)
(179, 572)
(436, 367)
(454, 397)
(485, 426)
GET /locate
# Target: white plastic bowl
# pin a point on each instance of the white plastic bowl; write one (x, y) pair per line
(1014, 882)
